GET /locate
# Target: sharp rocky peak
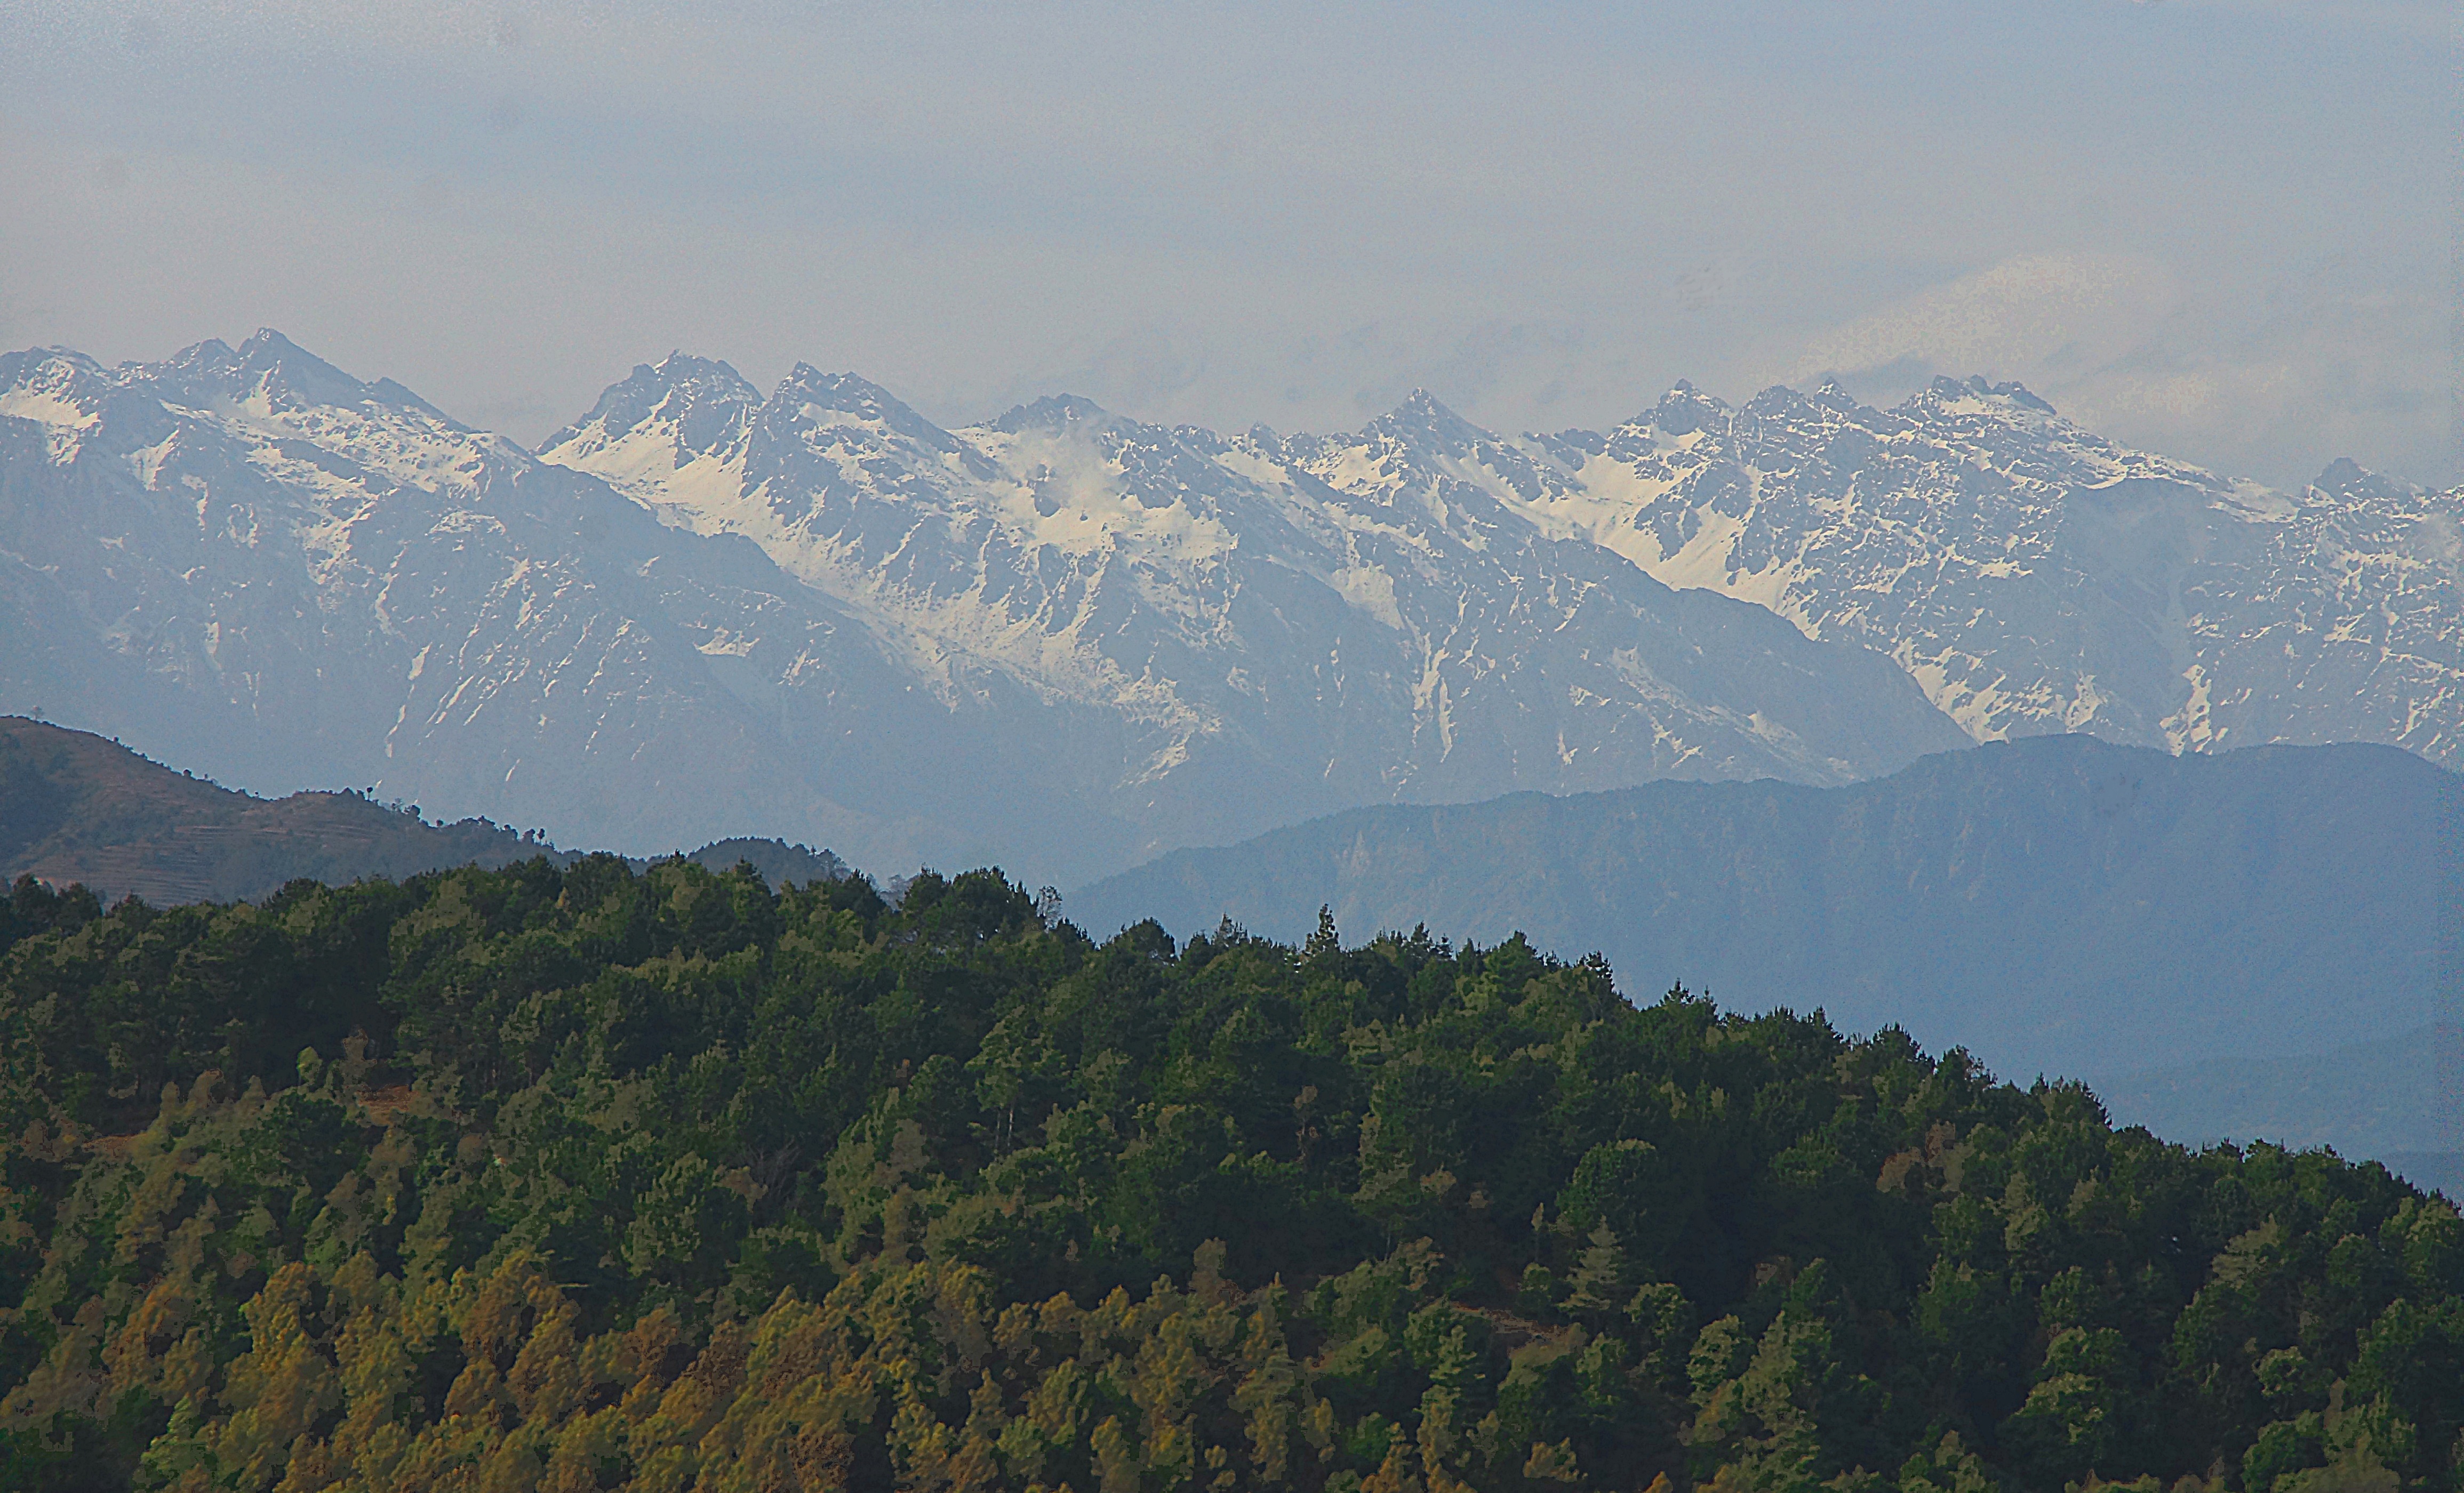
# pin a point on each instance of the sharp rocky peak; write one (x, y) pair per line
(212, 353)
(1781, 402)
(1943, 390)
(849, 392)
(708, 402)
(269, 343)
(48, 368)
(686, 381)
(2349, 480)
(1684, 409)
(680, 366)
(1421, 419)
(273, 365)
(807, 388)
(279, 363)
(1055, 412)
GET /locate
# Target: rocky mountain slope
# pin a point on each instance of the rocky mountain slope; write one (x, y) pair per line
(2036, 578)
(2031, 576)
(1063, 642)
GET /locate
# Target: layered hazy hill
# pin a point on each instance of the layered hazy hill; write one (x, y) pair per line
(2057, 905)
(78, 810)
(1063, 641)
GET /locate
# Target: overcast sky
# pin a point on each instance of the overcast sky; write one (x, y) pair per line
(2219, 230)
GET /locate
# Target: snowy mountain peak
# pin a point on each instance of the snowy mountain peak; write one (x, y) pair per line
(1824, 408)
(58, 392)
(270, 365)
(268, 384)
(1063, 627)
(809, 396)
(1975, 393)
(842, 391)
(267, 345)
(272, 376)
(57, 371)
(679, 366)
(2348, 480)
(693, 407)
(1053, 412)
(1425, 423)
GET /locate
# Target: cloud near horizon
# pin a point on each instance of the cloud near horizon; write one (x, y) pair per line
(2195, 226)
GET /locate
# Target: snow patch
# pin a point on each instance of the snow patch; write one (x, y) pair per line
(63, 420)
(1372, 590)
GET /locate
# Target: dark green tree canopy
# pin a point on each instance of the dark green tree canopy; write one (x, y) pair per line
(593, 1178)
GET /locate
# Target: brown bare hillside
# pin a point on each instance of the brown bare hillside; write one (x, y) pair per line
(76, 807)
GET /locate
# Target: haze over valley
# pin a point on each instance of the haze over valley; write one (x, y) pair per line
(1067, 643)
(772, 747)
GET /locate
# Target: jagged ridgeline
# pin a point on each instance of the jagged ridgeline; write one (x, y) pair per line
(1066, 641)
(581, 1178)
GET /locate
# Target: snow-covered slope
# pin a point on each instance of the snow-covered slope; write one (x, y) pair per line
(1251, 627)
(1063, 641)
(2028, 576)
(2036, 578)
(2340, 620)
(251, 564)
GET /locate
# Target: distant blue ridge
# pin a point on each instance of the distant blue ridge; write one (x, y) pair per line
(2256, 944)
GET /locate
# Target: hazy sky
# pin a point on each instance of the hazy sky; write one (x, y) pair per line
(2219, 229)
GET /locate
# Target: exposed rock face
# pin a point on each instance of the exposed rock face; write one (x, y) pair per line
(251, 564)
(2036, 578)
(1063, 641)
(1317, 620)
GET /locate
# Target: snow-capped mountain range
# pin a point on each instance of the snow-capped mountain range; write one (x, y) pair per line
(2036, 578)
(1063, 641)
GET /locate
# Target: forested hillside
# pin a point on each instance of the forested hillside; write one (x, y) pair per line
(583, 1178)
(2057, 905)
